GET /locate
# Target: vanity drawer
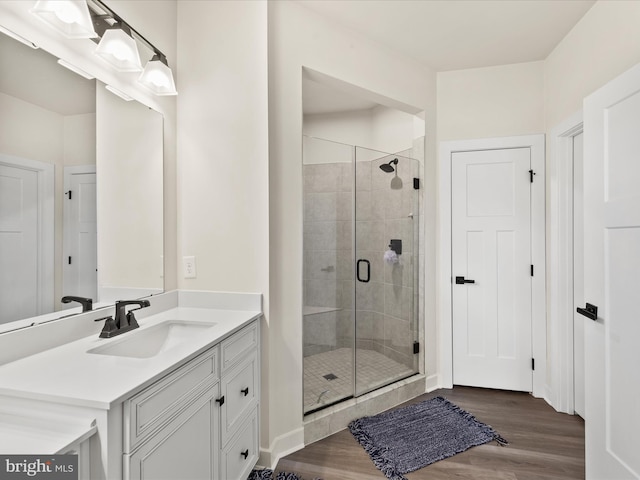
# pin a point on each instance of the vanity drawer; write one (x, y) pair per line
(241, 455)
(152, 408)
(238, 345)
(240, 389)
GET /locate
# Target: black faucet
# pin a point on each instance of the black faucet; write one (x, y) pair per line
(87, 303)
(124, 321)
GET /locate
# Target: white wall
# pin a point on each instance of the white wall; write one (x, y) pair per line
(129, 195)
(222, 144)
(602, 45)
(379, 128)
(491, 102)
(349, 128)
(299, 38)
(43, 124)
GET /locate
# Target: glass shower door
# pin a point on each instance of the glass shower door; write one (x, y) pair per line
(386, 241)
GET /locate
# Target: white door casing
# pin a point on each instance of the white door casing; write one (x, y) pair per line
(27, 190)
(446, 277)
(80, 233)
(491, 247)
(562, 179)
(578, 275)
(612, 280)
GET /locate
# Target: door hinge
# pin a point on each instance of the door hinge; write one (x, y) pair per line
(532, 270)
(531, 174)
(416, 183)
(533, 364)
(416, 347)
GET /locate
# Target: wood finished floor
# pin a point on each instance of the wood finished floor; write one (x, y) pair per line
(543, 444)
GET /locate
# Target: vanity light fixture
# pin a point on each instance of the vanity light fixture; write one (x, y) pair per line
(17, 37)
(119, 93)
(69, 17)
(75, 69)
(158, 77)
(118, 47)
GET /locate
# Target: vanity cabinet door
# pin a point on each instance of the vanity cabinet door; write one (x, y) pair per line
(239, 386)
(241, 454)
(186, 448)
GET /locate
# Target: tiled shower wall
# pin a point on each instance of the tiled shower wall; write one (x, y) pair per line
(328, 275)
(388, 303)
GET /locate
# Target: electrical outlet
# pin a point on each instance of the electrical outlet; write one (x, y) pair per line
(189, 267)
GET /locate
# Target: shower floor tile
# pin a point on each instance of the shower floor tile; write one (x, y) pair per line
(374, 370)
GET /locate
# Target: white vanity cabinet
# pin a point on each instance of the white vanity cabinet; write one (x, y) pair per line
(200, 421)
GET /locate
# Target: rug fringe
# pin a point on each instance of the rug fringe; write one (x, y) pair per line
(375, 453)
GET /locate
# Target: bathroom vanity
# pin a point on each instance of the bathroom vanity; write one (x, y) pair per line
(176, 398)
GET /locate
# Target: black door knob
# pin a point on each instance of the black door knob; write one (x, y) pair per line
(590, 311)
(461, 281)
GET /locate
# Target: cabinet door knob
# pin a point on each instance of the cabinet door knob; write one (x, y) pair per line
(245, 391)
(245, 454)
(220, 400)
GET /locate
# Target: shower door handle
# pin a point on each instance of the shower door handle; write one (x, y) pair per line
(360, 279)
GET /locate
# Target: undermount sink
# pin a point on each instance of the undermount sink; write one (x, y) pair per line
(149, 342)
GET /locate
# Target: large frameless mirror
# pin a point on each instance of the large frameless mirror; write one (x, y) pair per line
(80, 190)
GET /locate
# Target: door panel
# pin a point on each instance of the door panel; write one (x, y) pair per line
(18, 243)
(80, 276)
(612, 247)
(491, 245)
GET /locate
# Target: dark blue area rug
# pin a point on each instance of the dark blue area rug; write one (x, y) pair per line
(267, 474)
(409, 438)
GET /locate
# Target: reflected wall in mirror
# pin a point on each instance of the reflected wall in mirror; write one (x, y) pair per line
(130, 206)
(51, 207)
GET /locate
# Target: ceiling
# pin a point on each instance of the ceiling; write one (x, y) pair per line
(35, 77)
(446, 35)
(459, 34)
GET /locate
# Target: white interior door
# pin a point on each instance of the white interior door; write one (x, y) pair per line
(491, 246)
(578, 276)
(19, 282)
(612, 278)
(80, 257)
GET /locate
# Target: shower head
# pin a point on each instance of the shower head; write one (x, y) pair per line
(387, 167)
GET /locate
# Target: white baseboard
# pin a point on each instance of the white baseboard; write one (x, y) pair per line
(281, 446)
(432, 383)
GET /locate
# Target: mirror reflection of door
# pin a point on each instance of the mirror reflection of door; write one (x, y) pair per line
(26, 237)
(80, 232)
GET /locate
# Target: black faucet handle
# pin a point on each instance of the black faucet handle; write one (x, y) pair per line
(120, 304)
(109, 327)
(87, 303)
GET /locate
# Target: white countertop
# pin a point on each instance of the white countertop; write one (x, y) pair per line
(68, 374)
(42, 433)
